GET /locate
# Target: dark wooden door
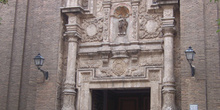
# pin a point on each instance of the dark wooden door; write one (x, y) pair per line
(130, 103)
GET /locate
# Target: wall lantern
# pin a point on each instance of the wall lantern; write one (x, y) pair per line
(189, 56)
(39, 61)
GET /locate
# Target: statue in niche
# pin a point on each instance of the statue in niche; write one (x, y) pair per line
(121, 13)
(122, 26)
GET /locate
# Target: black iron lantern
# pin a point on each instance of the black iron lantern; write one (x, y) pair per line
(39, 61)
(190, 56)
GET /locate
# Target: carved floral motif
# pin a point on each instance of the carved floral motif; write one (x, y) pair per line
(150, 26)
(93, 29)
(119, 67)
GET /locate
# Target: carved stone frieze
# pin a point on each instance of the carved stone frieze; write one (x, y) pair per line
(106, 71)
(93, 29)
(150, 26)
(149, 59)
(87, 63)
(135, 71)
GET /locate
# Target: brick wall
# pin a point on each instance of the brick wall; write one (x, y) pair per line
(198, 26)
(29, 27)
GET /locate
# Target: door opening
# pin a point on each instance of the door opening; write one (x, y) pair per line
(121, 99)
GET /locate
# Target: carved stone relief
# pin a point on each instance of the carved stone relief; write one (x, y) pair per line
(150, 26)
(89, 63)
(121, 12)
(134, 24)
(151, 59)
(85, 4)
(84, 75)
(119, 67)
(106, 24)
(154, 75)
(93, 29)
(99, 8)
(142, 6)
(123, 68)
(135, 71)
(168, 13)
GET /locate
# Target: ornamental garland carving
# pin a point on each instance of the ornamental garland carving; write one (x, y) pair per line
(135, 18)
(150, 26)
(106, 24)
(92, 30)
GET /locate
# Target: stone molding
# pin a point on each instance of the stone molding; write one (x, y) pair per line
(147, 73)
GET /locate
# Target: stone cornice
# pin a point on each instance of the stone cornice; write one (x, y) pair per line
(153, 46)
(167, 2)
(75, 10)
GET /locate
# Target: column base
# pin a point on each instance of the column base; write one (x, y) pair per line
(169, 98)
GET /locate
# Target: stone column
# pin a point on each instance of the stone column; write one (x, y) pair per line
(72, 35)
(168, 80)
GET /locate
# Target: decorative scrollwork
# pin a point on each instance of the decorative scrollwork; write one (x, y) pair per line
(150, 26)
(93, 29)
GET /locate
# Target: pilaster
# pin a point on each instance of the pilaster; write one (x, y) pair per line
(135, 8)
(106, 10)
(168, 79)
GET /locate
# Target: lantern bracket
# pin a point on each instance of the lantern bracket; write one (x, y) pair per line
(44, 72)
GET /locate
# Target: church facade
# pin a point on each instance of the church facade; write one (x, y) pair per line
(110, 55)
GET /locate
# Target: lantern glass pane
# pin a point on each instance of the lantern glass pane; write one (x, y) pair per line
(189, 56)
(41, 62)
(37, 61)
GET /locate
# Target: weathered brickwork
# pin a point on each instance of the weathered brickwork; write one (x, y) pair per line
(29, 27)
(198, 29)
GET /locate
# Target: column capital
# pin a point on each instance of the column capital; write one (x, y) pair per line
(72, 36)
(168, 31)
